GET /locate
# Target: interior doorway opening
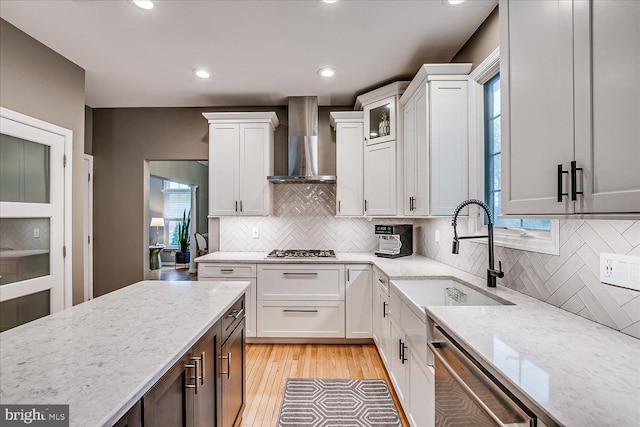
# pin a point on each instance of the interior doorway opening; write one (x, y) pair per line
(177, 199)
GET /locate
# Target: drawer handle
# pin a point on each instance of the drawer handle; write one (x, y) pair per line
(226, 270)
(300, 274)
(228, 359)
(286, 310)
(380, 280)
(236, 313)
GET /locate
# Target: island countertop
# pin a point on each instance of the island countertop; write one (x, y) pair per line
(101, 356)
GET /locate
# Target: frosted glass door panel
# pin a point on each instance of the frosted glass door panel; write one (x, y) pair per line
(23, 255)
(24, 170)
(18, 311)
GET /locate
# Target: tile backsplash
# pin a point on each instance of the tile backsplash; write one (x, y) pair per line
(303, 218)
(18, 233)
(569, 281)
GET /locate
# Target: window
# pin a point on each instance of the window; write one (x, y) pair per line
(537, 235)
(177, 201)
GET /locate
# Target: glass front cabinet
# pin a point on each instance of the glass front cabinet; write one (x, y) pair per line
(380, 112)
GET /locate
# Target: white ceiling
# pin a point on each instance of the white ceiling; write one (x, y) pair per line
(258, 52)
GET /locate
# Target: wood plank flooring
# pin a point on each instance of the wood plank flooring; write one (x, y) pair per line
(171, 273)
(269, 365)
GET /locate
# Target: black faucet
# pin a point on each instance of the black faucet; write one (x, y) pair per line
(492, 273)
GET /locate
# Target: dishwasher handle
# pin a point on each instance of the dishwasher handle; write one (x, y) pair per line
(435, 346)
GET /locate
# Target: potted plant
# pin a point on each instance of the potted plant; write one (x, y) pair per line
(183, 255)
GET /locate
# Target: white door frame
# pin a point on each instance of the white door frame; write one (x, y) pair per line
(88, 228)
(67, 134)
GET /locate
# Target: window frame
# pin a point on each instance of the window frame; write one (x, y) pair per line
(546, 242)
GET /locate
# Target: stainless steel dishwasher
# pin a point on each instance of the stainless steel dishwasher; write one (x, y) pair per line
(468, 395)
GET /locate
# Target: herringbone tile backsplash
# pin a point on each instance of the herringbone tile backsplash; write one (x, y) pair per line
(569, 281)
(304, 219)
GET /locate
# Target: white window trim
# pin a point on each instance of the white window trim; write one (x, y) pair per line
(529, 240)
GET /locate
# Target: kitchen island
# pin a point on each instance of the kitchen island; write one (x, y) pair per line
(572, 371)
(102, 356)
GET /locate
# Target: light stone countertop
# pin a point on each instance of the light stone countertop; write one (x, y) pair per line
(573, 371)
(101, 356)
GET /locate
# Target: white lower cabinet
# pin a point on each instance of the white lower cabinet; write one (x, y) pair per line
(381, 327)
(301, 319)
(235, 272)
(301, 300)
(411, 377)
(358, 293)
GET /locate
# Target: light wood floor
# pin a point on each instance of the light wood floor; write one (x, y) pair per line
(171, 273)
(269, 365)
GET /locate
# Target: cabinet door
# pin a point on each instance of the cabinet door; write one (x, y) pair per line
(133, 418)
(607, 55)
(232, 375)
(449, 146)
(254, 168)
(349, 153)
(421, 405)
(169, 403)
(537, 104)
(223, 169)
(381, 325)
(399, 352)
(380, 121)
(380, 179)
(416, 154)
(358, 312)
(207, 398)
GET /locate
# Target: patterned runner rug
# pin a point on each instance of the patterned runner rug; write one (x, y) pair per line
(337, 402)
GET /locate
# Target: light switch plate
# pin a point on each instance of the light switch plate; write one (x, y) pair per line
(620, 270)
(255, 233)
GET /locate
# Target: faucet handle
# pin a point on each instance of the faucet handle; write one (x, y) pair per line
(500, 273)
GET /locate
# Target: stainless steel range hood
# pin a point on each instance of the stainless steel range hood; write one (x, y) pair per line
(303, 143)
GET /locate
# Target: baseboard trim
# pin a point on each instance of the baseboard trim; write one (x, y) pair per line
(255, 340)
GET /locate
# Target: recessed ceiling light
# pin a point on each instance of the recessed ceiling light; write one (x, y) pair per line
(455, 1)
(327, 72)
(144, 4)
(203, 74)
(329, 1)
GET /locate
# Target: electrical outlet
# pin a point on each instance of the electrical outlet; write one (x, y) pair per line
(255, 233)
(437, 236)
(620, 270)
(36, 232)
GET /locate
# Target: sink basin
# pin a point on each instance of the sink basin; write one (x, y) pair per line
(426, 292)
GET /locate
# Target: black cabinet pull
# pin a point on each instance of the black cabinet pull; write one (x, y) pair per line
(384, 309)
(338, 205)
(560, 173)
(574, 180)
(400, 349)
(365, 205)
(236, 206)
(240, 205)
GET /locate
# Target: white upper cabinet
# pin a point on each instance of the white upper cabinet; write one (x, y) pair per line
(349, 127)
(381, 119)
(435, 129)
(380, 179)
(570, 107)
(383, 161)
(240, 159)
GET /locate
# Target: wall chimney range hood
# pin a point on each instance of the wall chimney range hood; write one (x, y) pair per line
(303, 143)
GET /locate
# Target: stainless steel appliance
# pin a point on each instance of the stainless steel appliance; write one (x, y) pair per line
(302, 253)
(394, 240)
(467, 394)
(303, 143)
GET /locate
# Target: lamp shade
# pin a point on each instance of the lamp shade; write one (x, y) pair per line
(157, 222)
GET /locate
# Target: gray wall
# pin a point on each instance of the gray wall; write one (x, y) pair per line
(484, 41)
(36, 81)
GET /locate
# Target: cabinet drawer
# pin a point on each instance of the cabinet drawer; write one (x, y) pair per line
(210, 270)
(232, 317)
(319, 282)
(380, 279)
(301, 319)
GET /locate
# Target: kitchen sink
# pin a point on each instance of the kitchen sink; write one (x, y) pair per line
(429, 292)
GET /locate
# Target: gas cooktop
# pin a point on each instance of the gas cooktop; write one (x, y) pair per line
(302, 253)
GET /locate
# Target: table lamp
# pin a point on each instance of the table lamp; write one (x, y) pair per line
(157, 223)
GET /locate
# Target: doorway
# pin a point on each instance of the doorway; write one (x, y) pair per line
(35, 220)
(177, 189)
